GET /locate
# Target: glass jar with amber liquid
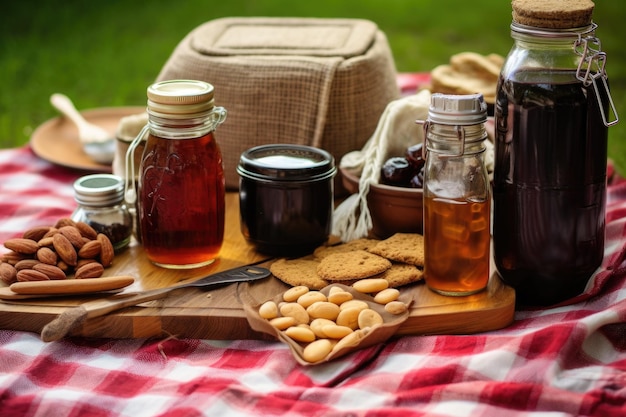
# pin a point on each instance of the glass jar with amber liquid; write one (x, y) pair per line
(457, 197)
(181, 190)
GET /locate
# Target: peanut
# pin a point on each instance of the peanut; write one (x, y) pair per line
(300, 334)
(387, 295)
(317, 350)
(296, 311)
(395, 307)
(371, 285)
(325, 324)
(311, 297)
(369, 318)
(293, 293)
(323, 310)
(268, 310)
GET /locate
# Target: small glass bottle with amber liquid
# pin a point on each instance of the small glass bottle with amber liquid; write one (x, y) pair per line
(457, 199)
(181, 190)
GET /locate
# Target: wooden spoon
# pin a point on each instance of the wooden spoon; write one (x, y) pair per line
(72, 317)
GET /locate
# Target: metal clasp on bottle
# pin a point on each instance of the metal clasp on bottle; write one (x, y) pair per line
(591, 71)
(460, 133)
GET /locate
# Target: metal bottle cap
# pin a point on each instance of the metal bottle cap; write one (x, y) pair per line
(99, 190)
(460, 110)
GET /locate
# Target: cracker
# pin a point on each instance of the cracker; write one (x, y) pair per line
(401, 274)
(299, 271)
(351, 265)
(363, 244)
(406, 248)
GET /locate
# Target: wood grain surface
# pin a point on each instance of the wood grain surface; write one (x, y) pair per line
(218, 313)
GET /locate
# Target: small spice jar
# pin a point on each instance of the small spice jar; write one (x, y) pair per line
(100, 199)
(286, 197)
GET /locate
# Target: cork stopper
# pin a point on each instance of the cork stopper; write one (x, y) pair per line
(553, 14)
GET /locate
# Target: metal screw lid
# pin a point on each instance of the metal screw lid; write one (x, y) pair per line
(460, 110)
(180, 97)
(99, 190)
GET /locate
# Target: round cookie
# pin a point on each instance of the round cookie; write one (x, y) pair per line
(401, 274)
(553, 14)
(297, 272)
(362, 243)
(406, 248)
(351, 265)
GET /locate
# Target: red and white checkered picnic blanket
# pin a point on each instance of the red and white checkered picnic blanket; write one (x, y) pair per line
(561, 361)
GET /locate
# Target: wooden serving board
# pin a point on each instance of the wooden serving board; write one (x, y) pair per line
(218, 314)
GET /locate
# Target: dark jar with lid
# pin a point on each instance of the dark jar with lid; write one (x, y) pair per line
(181, 190)
(553, 109)
(100, 199)
(286, 197)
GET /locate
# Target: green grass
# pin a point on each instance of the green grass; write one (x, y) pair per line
(106, 53)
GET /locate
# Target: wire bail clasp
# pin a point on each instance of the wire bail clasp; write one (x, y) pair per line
(589, 49)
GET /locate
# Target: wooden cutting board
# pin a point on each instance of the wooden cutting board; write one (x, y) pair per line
(218, 314)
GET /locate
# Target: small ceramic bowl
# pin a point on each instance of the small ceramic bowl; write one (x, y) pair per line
(393, 209)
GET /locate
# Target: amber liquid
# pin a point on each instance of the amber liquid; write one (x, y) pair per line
(181, 201)
(549, 186)
(456, 245)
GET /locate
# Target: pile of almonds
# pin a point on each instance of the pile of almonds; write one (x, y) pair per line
(325, 324)
(56, 252)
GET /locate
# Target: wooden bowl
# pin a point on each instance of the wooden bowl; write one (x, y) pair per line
(393, 209)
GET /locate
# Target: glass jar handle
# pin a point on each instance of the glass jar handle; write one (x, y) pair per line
(217, 117)
(130, 193)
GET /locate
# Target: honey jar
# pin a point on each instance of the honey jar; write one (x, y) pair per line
(286, 197)
(181, 191)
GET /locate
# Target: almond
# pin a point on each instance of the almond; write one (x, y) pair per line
(86, 230)
(84, 261)
(90, 249)
(107, 253)
(53, 231)
(47, 256)
(46, 241)
(13, 257)
(63, 266)
(52, 271)
(64, 249)
(26, 264)
(65, 221)
(90, 270)
(21, 245)
(36, 233)
(8, 273)
(73, 235)
(31, 275)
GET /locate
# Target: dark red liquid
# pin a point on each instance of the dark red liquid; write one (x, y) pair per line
(549, 186)
(181, 201)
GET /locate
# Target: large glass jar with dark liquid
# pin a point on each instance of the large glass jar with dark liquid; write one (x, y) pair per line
(553, 108)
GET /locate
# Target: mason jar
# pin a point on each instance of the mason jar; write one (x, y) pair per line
(552, 113)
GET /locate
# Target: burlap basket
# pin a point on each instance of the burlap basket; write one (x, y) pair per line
(318, 82)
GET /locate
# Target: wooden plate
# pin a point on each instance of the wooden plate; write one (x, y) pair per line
(56, 140)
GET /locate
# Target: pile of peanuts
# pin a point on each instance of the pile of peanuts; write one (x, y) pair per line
(325, 324)
(56, 252)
